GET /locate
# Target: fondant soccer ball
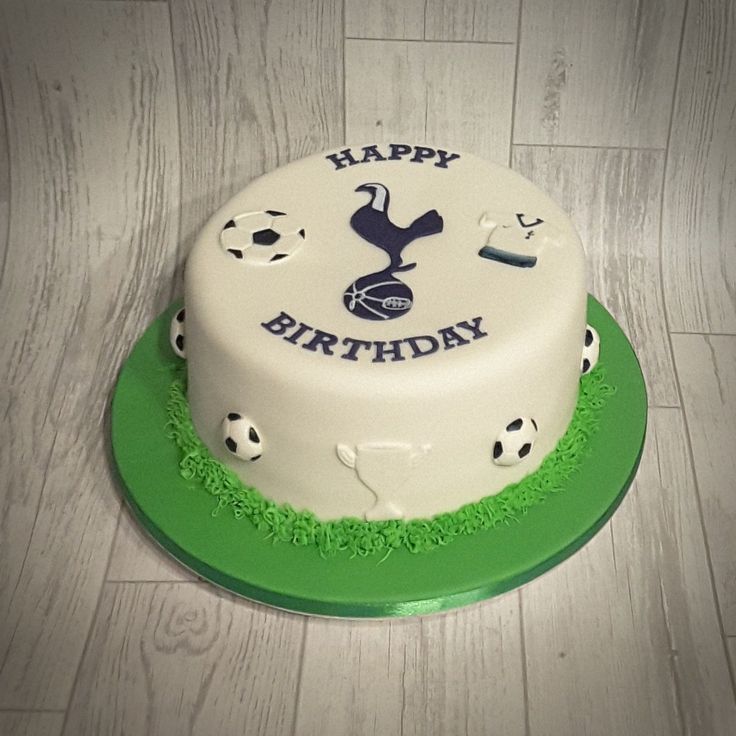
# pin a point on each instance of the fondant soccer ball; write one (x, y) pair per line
(262, 237)
(241, 437)
(515, 442)
(378, 296)
(176, 333)
(591, 350)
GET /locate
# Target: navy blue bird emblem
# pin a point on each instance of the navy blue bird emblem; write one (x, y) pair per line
(381, 295)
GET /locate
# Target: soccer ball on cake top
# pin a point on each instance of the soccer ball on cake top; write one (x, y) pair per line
(262, 237)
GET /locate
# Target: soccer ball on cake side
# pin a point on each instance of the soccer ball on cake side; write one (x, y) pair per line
(264, 237)
(241, 437)
(591, 350)
(515, 442)
(176, 333)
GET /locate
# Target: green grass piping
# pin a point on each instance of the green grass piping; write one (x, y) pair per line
(282, 523)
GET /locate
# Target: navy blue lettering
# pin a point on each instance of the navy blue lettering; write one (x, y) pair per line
(324, 340)
(451, 339)
(298, 333)
(445, 158)
(371, 152)
(355, 345)
(420, 153)
(342, 159)
(279, 325)
(398, 150)
(431, 345)
(394, 351)
(474, 328)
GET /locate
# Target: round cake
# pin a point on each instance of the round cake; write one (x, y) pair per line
(384, 331)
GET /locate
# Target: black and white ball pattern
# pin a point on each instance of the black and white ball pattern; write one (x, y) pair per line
(515, 442)
(176, 333)
(241, 437)
(591, 350)
(262, 237)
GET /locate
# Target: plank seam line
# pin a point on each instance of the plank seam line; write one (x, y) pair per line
(524, 670)
(300, 676)
(430, 40)
(668, 142)
(516, 84)
(6, 120)
(706, 334)
(179, 242)
(595, 148)
(344, 75)
(204, 583)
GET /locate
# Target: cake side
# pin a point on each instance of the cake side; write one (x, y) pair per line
(390, 406)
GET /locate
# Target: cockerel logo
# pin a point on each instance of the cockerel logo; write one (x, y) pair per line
(381, 295)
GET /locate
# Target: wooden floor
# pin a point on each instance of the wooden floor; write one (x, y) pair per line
(126, 123)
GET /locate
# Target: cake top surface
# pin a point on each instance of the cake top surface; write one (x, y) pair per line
(381, 259)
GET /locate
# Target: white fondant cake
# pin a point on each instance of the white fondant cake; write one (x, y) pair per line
(385, 331)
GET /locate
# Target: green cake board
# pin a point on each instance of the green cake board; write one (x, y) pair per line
(233, 554)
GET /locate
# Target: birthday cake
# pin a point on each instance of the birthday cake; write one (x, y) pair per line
(384, 332)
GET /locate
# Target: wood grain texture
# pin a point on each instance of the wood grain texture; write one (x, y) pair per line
(597, 73)
(706, 367)
(613, 198)
(94, 166)
(623, 637)
(454, 93)
(135, 556)
(258, 85)
(433, 20)
(175, 658)
(384, 19)
(471, 20)
(451, 674)
(31, 724)
(4, 166)
(699, 223)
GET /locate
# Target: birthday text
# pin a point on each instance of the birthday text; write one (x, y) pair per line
(377, 351)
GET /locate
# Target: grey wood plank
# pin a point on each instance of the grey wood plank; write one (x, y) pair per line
(135, 556)
(449, 674)
(699, 221)
(455, 94)
(4, 161)
(623, 638)
(172, 658)
(613, 197)
(597, 73)
(31, 724)
(384, 19)
(258, 85)
(471, 20)
(94, 163)
(706, 367)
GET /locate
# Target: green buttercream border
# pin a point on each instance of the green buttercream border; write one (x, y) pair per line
(360, 537)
